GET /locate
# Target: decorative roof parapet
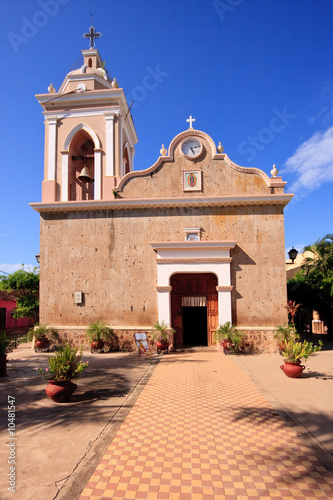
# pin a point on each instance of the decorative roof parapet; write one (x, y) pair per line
(215, 156)
(244, 170)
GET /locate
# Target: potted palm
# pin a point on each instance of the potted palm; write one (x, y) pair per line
(43, 335)
(98, 333)
(161, 336)
(284, 333)
(294, 352)
(229, 337)
(63, 367)
(6, 346)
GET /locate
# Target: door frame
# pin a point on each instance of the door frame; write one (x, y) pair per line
(194, 257)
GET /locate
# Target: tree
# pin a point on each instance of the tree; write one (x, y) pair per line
(322, 260)
(313, 285)
(26, 286)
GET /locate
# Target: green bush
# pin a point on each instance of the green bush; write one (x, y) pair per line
(230, 333)
(65, 365)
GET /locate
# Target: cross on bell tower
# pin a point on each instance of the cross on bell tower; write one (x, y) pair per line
(92, 35)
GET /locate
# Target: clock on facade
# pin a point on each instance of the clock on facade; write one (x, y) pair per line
(191, 147)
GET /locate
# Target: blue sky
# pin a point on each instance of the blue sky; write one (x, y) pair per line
(256, 75)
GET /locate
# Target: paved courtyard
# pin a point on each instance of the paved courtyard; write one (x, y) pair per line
(195, 425)
(200, 430)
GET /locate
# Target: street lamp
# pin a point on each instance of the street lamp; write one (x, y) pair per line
(292, 255)
(38, 258)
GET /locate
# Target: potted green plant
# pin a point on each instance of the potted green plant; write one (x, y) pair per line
(66, 365)
(6, 346)
(161, 336)
(98, 333)
(294, 352)
(229, 337)
(43, 335)
(284, 333)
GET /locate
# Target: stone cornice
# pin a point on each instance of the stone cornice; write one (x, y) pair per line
(195, 260)
(193, 245)
(152, 203)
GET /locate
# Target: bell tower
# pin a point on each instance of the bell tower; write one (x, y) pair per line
(89, 133)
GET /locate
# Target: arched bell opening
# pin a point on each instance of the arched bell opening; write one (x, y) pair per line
(81, 168)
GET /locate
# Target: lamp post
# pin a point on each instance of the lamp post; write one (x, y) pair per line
(292, 255)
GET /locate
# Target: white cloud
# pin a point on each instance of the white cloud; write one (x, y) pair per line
(10, 268)
(312, 162)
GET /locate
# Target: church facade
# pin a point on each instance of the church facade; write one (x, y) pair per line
(194, 240)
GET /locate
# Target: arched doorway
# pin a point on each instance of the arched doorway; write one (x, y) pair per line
(194, 308)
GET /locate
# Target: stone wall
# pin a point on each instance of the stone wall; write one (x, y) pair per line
(254, 342)
(107, 255)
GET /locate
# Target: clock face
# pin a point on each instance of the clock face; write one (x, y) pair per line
(191, 147)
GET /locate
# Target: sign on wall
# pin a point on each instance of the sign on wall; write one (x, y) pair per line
(142, 344)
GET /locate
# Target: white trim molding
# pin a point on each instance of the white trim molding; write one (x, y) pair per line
(76, 129)
(51, 162)
(64, 182)
(109, 144)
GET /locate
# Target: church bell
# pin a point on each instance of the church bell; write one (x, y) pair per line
(84, 175)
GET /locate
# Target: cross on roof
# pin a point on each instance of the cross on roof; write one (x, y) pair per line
(190, 120)
(92, 35)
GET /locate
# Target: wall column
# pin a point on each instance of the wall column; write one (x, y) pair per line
(64, 175)
(224, 299)
(109, 145)
(164, 300)
(52, 143)
(98, 174)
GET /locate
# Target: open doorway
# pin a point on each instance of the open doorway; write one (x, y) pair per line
(194, 308)
(195, 326)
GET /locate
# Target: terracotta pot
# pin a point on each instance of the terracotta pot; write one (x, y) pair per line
(42, 343)
(162, 345)
(227, 345)
(97, 344)
(60, 390)
(293, 370)
(3, 366)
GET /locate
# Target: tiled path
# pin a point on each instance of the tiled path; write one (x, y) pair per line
(200, 430)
